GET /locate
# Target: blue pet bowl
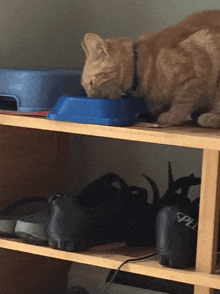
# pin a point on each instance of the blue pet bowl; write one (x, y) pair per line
(102, 111)
(34, 89)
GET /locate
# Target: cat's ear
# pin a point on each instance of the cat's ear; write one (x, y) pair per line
(94, 45)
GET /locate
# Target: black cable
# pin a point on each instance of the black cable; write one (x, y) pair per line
(126, 261)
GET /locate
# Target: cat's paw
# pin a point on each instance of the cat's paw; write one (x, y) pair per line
(209, 120)
(169, 118)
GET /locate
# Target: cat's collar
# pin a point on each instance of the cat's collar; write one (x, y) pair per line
(134, 85)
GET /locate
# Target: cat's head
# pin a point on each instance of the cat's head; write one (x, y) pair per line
(109, 66)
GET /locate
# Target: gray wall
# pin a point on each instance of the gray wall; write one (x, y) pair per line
(49, 33)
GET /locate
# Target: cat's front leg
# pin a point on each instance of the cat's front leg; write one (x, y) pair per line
(158, 107)
(184, 102)
(169, 118)
(177, 113)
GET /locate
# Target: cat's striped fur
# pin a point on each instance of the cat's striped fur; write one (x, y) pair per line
(178, 69)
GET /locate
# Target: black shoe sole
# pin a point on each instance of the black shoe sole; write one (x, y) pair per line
(178, 261)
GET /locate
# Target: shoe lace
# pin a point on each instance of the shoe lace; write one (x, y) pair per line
(184, 183)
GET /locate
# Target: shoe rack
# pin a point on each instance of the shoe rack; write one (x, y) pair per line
(205, 275)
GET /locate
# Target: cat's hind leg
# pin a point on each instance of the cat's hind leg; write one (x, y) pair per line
(209, 120)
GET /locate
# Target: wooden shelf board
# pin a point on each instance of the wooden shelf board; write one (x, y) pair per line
(112, 255)
(188, 136)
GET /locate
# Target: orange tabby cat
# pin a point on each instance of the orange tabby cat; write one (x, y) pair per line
(178, 69)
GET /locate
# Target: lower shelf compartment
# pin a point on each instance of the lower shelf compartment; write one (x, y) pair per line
(150, 283)
(112, 255)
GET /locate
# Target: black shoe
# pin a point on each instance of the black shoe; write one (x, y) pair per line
(141, 216)
(176, 225)
(103, 214)
(96, 216)
(32, 227)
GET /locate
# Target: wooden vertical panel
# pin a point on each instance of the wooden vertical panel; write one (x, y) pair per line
(32, 162)
(22, 273)
(208, 217)
(203, 290)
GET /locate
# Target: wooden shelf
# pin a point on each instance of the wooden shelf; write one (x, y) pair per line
(204, 277)
(187, 136)
(112, 255)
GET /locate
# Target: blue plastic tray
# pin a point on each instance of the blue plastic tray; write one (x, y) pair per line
(33, 89)
(116, 112)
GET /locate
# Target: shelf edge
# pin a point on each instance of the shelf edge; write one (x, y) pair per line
(113, 261)
(192, 137)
